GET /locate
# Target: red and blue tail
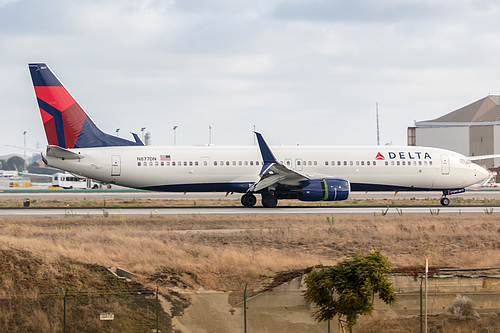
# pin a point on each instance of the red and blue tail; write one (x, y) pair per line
(66, 123)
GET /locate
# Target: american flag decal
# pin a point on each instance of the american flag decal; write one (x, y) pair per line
(164, 157)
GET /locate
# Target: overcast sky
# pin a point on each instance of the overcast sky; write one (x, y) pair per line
(302, 71)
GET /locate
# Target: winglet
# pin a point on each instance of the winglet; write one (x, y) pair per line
(267, 154)
(137, 139)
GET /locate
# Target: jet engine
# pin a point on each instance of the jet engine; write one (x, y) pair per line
(326, 189)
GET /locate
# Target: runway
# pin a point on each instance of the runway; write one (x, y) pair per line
(244, 211)
(122, 193)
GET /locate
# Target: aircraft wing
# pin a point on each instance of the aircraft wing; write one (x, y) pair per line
(483, 157)
(272, 171)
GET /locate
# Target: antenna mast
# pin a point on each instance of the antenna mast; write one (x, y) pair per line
(378, 128)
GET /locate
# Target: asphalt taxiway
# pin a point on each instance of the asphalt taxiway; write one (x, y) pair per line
(252, 211)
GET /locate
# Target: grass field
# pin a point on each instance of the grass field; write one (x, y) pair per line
(223, 252)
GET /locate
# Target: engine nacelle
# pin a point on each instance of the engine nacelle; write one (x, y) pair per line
(326, 189)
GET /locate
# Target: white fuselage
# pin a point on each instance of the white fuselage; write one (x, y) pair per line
(234, 169)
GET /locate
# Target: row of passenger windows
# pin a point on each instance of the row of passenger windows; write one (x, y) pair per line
(409, 163)
(288, 163)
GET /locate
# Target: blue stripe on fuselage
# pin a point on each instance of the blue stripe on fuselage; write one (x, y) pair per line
(243, 187)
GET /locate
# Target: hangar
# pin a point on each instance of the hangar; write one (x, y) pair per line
(472, 130)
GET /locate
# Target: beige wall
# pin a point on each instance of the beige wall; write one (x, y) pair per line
(481, 143)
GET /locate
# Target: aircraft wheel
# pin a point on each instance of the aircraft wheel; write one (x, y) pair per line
(445, 201)
(248, 200)
(269, 201)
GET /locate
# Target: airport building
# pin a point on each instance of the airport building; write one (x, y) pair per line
(472, 130)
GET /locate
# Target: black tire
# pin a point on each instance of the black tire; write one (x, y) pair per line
(445, 201)
(269, 201)
(248, 200)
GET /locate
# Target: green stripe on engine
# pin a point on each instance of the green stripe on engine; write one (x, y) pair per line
(325, 197)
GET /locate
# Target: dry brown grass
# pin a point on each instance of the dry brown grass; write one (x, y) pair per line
(227, 251)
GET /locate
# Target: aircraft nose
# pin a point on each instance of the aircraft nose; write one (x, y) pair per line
(482, 173)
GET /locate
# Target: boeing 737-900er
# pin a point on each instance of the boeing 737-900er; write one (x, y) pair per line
(311, 173)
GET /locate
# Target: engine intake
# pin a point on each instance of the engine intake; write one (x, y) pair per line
(326, 189)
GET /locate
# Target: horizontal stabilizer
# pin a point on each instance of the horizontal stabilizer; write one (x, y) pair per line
(62, 153)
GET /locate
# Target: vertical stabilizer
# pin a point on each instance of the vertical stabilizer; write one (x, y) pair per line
(66, 124)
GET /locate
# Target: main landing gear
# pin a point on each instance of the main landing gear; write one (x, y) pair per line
(268, 201)
(248, 200)
(444, 201)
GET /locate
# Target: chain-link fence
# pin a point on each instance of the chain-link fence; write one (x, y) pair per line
(136, 310)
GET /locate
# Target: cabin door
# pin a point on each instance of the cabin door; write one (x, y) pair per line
(445, 164)
(115, 165)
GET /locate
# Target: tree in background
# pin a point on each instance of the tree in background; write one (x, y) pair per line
(348, 289)
(15, 163)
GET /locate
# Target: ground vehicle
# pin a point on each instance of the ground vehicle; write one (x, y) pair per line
(70, 181)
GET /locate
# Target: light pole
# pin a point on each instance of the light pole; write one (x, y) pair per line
(142, 133)
(254, 129)
(117, 130)
(175, 135)
(24, 133)
(209, 134)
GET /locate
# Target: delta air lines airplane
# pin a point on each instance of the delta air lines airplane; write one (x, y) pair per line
(312, 173)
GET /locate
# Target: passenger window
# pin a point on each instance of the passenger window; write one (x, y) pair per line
(315, 162)
(156, 163)
(227, 162)
(162, 163)
(419, 162)
(430, 162)
(190, 163)
(173, 163)
(357, 162)
(386, 163)
(351, 163)
(403, 163)
(397, 162)
(374, 163)
(138, 164)
(345, 162)
(234, 162)
(362, 162)
(326, 162)
(367, 162)
(246, 162)
(150, 163)
(215, 163)
(168, 163)
(256, 162)
(251, 162)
